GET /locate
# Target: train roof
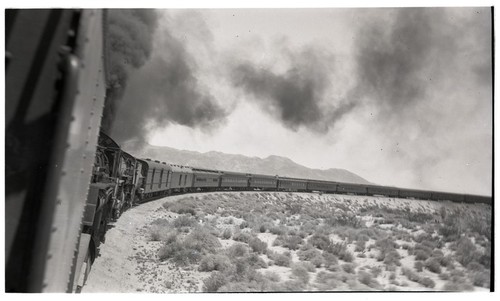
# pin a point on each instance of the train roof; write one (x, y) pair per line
(155, 164)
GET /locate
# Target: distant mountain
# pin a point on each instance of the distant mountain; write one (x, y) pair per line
(272, 165)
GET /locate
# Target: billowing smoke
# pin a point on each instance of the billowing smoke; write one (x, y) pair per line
(297, 97)
(129, 42)
(166, 90)
(418, 73)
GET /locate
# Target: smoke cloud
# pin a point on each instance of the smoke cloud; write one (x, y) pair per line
(297, 96)
(129, 42)
(166, 90)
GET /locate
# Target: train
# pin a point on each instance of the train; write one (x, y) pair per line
(66, 180)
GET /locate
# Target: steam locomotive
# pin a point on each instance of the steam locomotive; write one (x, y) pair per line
(66, 180)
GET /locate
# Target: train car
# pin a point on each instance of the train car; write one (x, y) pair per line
(182, 178)
(55, 82)
(263, 181)
(477, 199)
(157, 178)
(292, 184)
(205, 179)
(385, 191)
(446, 196)
(235, 180)
(351, 188)
(415, 194)
(324, 186)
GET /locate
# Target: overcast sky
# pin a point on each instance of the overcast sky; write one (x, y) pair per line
(401, 97)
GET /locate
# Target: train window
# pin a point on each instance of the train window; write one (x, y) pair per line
(185, 179)
(161, 176)
(180, 179)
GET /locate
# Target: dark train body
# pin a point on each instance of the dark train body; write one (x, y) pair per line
(65, 181)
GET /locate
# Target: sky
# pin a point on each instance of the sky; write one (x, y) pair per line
(400, 96)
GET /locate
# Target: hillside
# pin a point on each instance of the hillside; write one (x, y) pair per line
(272, 165)
(279, 242)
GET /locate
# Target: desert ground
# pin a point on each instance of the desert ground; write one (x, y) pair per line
(281, 242)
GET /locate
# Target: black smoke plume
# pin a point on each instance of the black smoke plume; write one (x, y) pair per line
(398, 61)
(166, 90)
(129, 44)
(297, 96)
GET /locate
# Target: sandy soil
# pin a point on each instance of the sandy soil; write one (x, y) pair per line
(128, 261)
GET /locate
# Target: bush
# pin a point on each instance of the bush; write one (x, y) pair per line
(237, 250)
(348, 268)
(184, 206)
(331, 261)
(213, 262)
(306, 254)
(257, 245)
(427, 282)
(255, 261)
(214, 282)
(279, 259)
(433, 265)
(367, 279)
(419, 266)
(320, 241)
(317, 260)
(300, 272)
(421, 255)
(481, 278)
(340, 250)
(185, 221)
(465, 251)
(227, 233)
(242, 237)
(202, 241)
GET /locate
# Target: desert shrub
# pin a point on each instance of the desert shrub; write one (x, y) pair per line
(458, 284)
(278, 230)
(212, 262)
(202, 241)
(421, 255)
(317, 260)
(272, 276)
(340, 250)
(433, 265)
(348, 220)
(242, 237)
(159, 233)
(419, 266)
(257, 245)
(427, 282)
(279, 259)
(214, 282)
(306, 253)
(375, 270)
(300, 272)
(481, 278)
(184, 206)
(412, 276)
(444, 276)
(392, 258)
(360, 246)
(255, 261)
(179, 253)
(320, 241)
(185, 221)
(475, 266)
(446, 261)
(227, 233)
(392, 276)
(291, 242)
(330, 260)
(237, 250)
(348, 268)
(244, 225)
(367, 279)
(465, 251)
